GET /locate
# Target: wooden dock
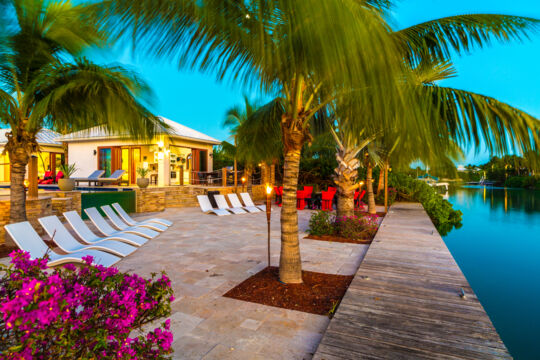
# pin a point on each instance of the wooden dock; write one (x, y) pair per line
(405, 300)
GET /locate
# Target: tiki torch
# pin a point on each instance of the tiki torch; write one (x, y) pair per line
(243, 183)
(268, 213)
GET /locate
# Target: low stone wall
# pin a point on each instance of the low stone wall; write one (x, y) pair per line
(74, 204)
(35, 208)
(158, 199)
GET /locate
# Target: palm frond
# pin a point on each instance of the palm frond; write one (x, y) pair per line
(82, 95)
(436, 39)
(473, 118)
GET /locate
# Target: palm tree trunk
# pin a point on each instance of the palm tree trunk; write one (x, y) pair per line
(380, 185)
(18, 158)
(345, 179)
(372, 208)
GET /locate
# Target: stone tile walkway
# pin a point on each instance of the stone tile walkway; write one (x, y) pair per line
(205, 256)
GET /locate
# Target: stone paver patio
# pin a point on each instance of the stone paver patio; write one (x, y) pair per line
(205, 256)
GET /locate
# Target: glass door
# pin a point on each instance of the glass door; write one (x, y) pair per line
(124, 163)
(135, 164)
(105, 161)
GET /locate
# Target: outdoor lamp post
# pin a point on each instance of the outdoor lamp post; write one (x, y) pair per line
(243, 183)
(268, 213)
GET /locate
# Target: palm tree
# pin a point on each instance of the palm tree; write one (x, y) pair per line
(43, 83)
(296, 50)
(234, 118)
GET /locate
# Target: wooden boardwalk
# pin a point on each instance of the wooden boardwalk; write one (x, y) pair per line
(405, 303)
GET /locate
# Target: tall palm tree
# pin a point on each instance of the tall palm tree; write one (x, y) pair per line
(296, 50)
(235, 117)
(44, 83)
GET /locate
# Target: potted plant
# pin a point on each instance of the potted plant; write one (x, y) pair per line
(67, 184)
(142, 180)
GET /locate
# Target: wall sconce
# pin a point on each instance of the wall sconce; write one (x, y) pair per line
(95, 152)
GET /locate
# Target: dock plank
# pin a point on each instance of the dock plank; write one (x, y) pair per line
(404, 301)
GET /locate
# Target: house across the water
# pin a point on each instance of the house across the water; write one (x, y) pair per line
(49, 157)
(172, 159)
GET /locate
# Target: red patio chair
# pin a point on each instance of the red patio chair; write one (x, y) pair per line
(357, 198)
(308, 191)
(46, 177)
(327, 197)
(278, 191)
(59, 175)
(332, 189)
(300, 199)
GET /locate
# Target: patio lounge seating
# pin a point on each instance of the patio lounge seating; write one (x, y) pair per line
(125, 216)
(92, 178)
(87, 236)
(65, 241)
(48, 176)
(27, 239)
(108, 230)
(59, 175)
(206, 207)
(248, 202)
(235, 202)
(121, 225)
(222, 204)
(115, 178)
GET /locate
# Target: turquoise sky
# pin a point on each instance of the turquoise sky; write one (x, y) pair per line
(509, 72)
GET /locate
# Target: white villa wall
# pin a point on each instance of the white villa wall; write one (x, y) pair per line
(82, 152)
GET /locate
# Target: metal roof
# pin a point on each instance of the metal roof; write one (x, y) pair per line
(44, 137)
(176, 131)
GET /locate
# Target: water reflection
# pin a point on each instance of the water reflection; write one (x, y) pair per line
(524, 200)
(498, 250)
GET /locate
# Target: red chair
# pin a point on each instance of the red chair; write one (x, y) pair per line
(300, 199)
(332, 189)
(59, 175)
(327, 198)
(308, 191)
(278, 191)
(47, 178)
(357, 198)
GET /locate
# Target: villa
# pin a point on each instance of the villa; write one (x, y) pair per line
(177, 158)
(50, 155)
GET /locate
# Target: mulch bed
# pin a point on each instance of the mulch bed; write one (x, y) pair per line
(340, 239)
(319, 293)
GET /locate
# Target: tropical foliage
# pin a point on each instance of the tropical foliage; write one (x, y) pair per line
(81, 313)
(441, 212)
(44, 82)
(354, 227)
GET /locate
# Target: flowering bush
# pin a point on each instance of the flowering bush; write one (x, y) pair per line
(321, 223)
(80, 313)
(357, 227)
(350, 227)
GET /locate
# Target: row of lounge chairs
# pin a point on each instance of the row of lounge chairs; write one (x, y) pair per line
(117, 243)
(223, 207)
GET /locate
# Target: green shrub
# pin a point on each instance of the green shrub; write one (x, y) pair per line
(392, 194)
(322, 223)
(528, 182)
(444, 217)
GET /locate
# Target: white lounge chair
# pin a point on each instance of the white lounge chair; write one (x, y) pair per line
(114, 178)
(222, 204)
(128, 219)
(87, 236)
(27, 239)
(107, 230)
(207, 208)
(92, 178)
(235, 202)
(65, 241)
(121, 225)
(248, 202)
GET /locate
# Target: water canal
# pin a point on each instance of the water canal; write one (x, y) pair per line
(498, 249)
